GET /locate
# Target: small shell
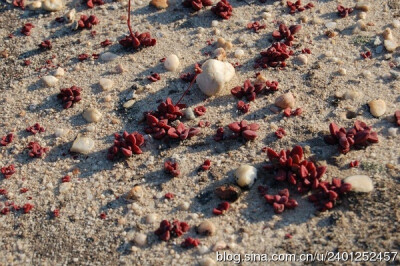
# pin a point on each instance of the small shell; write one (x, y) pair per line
(285, 100)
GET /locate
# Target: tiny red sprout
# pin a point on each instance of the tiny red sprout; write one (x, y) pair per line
(3, 191)
(86, 22)
(174, 229)
(171, 168)
(243, 107)
(243, 129)
(5, 140)
(286, 34)
(65, 179)
(91, 3)
(83, 57)
(206, 165)
(190, 242)
(296, 6)
(397, 117)
(19, 3)
(36, 128)
(223, 9)
(23, 190)
(169, 196)
(70, 96)
(26, 29)
(103, 215)
(288, 236)
(306, 51)
(288, 112)
(197, 4)
(8, 171)
(281, 201)
(222, 208)
(354, 164)
(256, 26)
(126, 145)
(154, 77)
(343, 11)
(56, 213)
(199, 110)
(325, 195)
(105, 43)
(220, 134)
(95, 56)
(93, 33)
(27, 208)
(27, 62)
(60, 19)
(274, 56)
(280, 133)
(35, 150)
(366, 54)
(5, 211)
(45, 45)
(250, 91)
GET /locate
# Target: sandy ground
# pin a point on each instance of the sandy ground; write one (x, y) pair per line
(361, 222)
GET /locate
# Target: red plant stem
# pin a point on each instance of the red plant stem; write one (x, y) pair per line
(129, 19)
(190, 85)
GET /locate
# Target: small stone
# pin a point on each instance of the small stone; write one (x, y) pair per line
(367, 74)
(214, 76)
(108, 56)
(392, 131)
(65, 187)
(377, 107)
(201, 30)
(206, 228)
(362, 6)
(160, 4)
(216, 31)
(184, 206)
(53, 5)
(245, 176)
(106, 84)
(120, 68)
(171, 63)
(360, 183)
(92, 115)
(214, 23)
(220, 54)
(351, 95)
(377, 41)
(220, 245)
(379, 49)
(302, 59)
(70, 16)
(331, 25)
(82, 145)
(202, 249)
(59, 132)
(35, 5)
(151, 218)
(228, 45)
(304, 19)
(50, 81)
(387, 34)
(239, 53)
(396, 23)
(60, 72)
(362, 15)
(285, 100)
(129, 104)
(228, 192)
(221, 42)
(140, 239)
(107, 98)
(207, 262)
(342, 71)
(135, 193)
(189, 114)
(265, 15)
(390, 45)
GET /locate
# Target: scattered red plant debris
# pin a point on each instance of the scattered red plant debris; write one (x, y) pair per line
(199, 110)
(196, 5)
(36, 128)
(5, 211)
(220, 134)
(274, 56)
(45, 45)
(280, 133)
(3, 191)
(296, 6)
(182, 132)
(87, 22)
(27, 208)
(397, 117)
(306, 51)
(19, 3)
(83, 57)
(5, 140)
(281, 201)
(162, 60)
(210, 42)
(289, 112)
(70, 96)
(206, 165)
(8, 171)
(223, 9)
(23, 190)
(154, 77)
(169, 196)
(203, 123)
(27, 62)
(93, 33)
(105, 43)
(360, 135)
(103, 216)
(126, 145)
(286, 33)
(247, 131)
(344, 11)
(354, 164)
(26, 29)
(366, 54)
(326, 194)
(288, 236)
(174, 229)
(190, 243)
(11, 35)
(290, 166)
(243, 107)
(91, 3)
(60, 19)
(35, 150)
(95, 56)
(189, 77)
(248, 90)
(172, 168)
(256, 26)
(56, 213)
(222, 208)
(66, 179)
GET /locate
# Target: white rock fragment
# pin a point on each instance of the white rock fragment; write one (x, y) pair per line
(207, 262)
(129, 104)
(140, 239)
(220, 54)
(92, 115)
(301, 59)
(396, 23)
(214, 23)
(108, 56)
(35, 5)
(171, 63)
(82, 145)
(53, 5)
(184, 206)
(362, 15)
(71, 15)
(330, 25)
(360, 183)
(189, 114)
(50, 81)
(106, 84)
(151, 218)
(377, 107)
(387, 34)
(60, 72)
(65, 187)
(214, 76)
(59, 132)
(239, 53)
(266, 15)
(392, 131)
(362, 6)
(219, 245)
(246, 175)
(390, 45)
(351, 95)
(206, 228)
(342, 71)
(285, 100)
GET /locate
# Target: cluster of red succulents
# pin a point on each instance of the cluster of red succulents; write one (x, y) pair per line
(290, 166)
(280, 133)
(12, 206)
(189, 77)
(366, 54)
(105, 43)
(8, 171)
(306, 51)
(174, 229)
(326, 194)
(220, 134)
(256, 26)
(281, 201)
(70, 96)
(344, 11)
(87, 22)
(274, 56)
(296, 6)
(137, 40)
(169, 196)
(46, 45)
(83, 57)
(222, 208)
(243, 129)
(288, 112)
(397, 117)
(154, 77)
(19, 3)
(286, 33)
(127, 144)
(250, 91)
(243, 107)
(172, 168)
(26, 29)
(182, 132)
(223, 9)
(35, 150)
(36, 128)
(91, 3)
(190, 242)
(358, 136)
(66, 179)
(354, 164)
(199, 110)
(206, 165)
(197, 4)
(7, 139)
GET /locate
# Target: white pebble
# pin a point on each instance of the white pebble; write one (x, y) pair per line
(189, 114)
(184, 206)
(171, 63)
(106, 84)
(396, 23)
(129, 104)
(207, 262)
(245, 175)
(239, 53)
(151, 218)
(202, 249)
(82, 145)
(360, 183)
(330, 25)
(266, 15)
(92, 115)
(65, 187)
(285, 100)
(214, 23)
(342, 71)
(107, 56)
(201, 30)
(206, 228)
(214, 76)
(60, 72)
(140, 239)
(50, 81)
(390, 45)
(53, 5)
(35, 5)
(219, 245)
(302, 59)
(377, 107)
(59, 132)
(392, 131)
